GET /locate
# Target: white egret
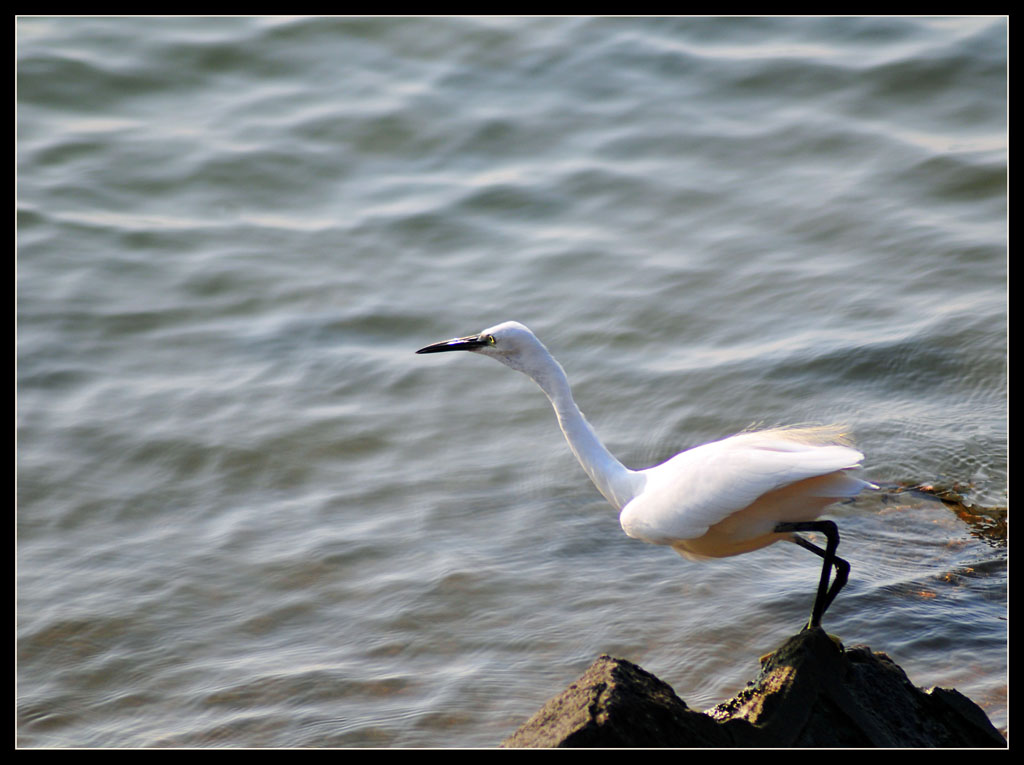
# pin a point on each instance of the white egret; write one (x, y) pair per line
(724, 498)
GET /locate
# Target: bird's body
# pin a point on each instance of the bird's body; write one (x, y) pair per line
(719, 499)
(726, 497)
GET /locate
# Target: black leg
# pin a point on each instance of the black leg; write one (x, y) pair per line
(825, 594)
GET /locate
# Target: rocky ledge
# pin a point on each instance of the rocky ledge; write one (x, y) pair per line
(811, 692)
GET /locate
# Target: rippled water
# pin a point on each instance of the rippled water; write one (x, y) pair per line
(248, 515)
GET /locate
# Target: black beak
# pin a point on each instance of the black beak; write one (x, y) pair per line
(456, 344)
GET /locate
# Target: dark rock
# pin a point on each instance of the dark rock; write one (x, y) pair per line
(811, 693)
(617, 704)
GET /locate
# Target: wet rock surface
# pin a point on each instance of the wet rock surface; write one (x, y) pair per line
(811, 692)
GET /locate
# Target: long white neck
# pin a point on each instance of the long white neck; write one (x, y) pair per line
(612, 478)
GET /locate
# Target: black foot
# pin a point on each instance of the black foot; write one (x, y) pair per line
(826, 594)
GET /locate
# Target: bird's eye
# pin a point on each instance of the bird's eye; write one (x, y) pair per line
(490, 339)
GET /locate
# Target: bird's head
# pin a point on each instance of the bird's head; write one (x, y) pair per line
(510, 342)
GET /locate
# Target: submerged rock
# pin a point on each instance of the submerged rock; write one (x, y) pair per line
(811, 693)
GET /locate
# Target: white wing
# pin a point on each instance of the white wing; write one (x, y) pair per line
(693, 491)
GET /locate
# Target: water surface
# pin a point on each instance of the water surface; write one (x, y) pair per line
(249, 515)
